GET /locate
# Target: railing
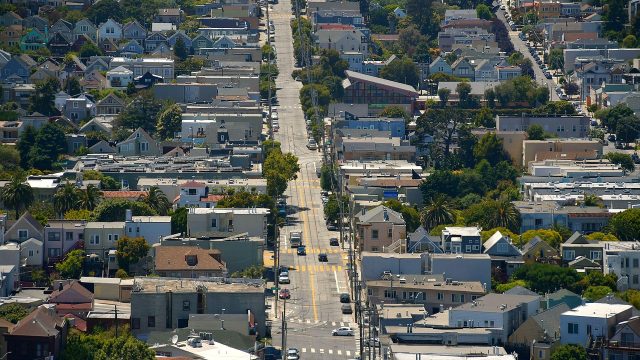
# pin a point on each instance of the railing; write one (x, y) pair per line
(623, 345)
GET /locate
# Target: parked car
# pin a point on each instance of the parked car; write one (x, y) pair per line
(284, 294)
(548, 75)
(322, 257)
(302, 250)
(334, 242)
(345, 298)
(375, 342)
(342, 331)
(346, 309)
(293, 354)
(284, 278)
(311, 145)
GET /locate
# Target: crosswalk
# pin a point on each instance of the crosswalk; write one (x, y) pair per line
(322, 322)
(335, 250)
(318, 268)
(337, 352)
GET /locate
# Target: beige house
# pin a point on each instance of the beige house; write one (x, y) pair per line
(100, 237)
(562, 149)
(538, 250)
(202, 221)
(110, 105)
(140, 143)
(380, 227)
(541, 332)
(25, 228)
(188, 262)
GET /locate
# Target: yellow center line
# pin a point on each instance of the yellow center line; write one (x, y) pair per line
(307, 235)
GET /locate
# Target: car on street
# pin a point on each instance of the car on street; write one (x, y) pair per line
(611, 137)
(346, 309)
(342, 331)
(284, 294)
(311, 144)
(284, 278)
(375, 342)
(322, 257)
(293, 354)
(334, 242)
(331, 226)
(302, 250)
(345, 298)
(548, 75)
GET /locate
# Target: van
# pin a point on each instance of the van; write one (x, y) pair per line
(346, 309)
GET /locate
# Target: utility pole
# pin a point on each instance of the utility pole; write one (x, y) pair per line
(284, 325)
(269, 73)
(116, 310)
(276, 263)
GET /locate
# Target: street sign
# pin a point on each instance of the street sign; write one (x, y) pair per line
(274, 288)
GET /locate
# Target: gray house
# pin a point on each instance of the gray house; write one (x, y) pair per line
(456, 239)
(134, 31)
(86, 28)
(140, 143)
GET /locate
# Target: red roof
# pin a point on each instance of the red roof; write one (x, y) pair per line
(193, 184)
(78, 323)
(212, 197)
(335, 27)
(122, 194)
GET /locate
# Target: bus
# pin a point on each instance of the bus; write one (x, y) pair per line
(295, 239)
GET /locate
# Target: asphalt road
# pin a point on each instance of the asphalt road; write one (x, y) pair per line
(521, 47)
(314, 308)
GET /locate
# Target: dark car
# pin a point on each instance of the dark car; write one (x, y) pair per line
(334, 242)
(345, 298)
(611, 137)
(302, 250)
(322, 257)
(346, 309)
(284, 294)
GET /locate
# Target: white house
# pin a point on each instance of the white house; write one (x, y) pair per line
(10, 254)
(119, 78)
(592, 320)
(252, 221)
(624, 261)
(110, 29)
(31, 252)
(156, 66)
(196, 194)
(151, 228)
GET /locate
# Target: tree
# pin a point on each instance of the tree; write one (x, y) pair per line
(9, 158)
(179, 221)
(556, 59)
(401, 70)
(130, 250)
(610, 116)
(42, 99)
(156, 200)
(410, 215)
(484, 118)
(621, 159)
(49, 144)
(409, 38)
(569, 352)
(180, 49)
(600, 236)
(628, 129)
(13, 312)
(66, 198)
(505, 214)
(535, 132)
(626, 225)
(443, 94)
(88, 50)
(83, 214)
(169, 121)
(489, 147)
(552, 237)
(464, 90)
(89, 198)
(421, 14)
(252, 272)
(629, 41)
(486, 234)
(333, 206)
(72, 86)
(104, 10)
(105, 345)
(615, 16)
(71, 266)
(142, 112)
(394, 112)
(17, 193)
(25, 143)
(484, 12)
(437, 213)
(546, 278)
(510, 285)
(279, 169)
(115, 210)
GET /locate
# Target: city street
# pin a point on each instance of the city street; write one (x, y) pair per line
(314, 308)
(521, 47)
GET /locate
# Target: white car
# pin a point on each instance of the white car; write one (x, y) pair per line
(274, 115)
(311, 145)
(284, 278)
(342, 331)
(293, 354)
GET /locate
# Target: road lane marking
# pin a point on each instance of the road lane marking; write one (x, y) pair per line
(339, 352)
(304, 350)
(313, 350)
(330, 351)
(335, 275)
(307, 233)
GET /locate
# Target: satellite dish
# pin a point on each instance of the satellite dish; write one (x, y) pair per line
(174, 339)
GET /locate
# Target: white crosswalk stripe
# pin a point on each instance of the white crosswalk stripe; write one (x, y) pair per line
(304, 349)
(330, 351)
(339, 352)
(348, 353)
(308, 321)
(313, 350)
(333, 323)
(321, 351)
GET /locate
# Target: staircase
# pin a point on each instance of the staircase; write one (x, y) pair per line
(399, 246)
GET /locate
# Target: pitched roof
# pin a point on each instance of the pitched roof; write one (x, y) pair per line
(193, 184)
(187, 257)
(39, 323)
(549, 320)
(381, 214)
(122, 194)
(577, 238)
(493, 240)
(557, 295)
(30, 220)
(531, 244)
(520, 290)
(352, 75)
(71, 293)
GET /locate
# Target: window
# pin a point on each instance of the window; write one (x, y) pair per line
(569, 254)
(135, 323)
(374, 234)
(440, 296)
(390, 233)
(390, 294)
(595, 255)
(193, 191)
(53, 236)
(68, 236)
(634, 279)
(468, 248)
(23, 234)
(151, 321)
(230, 223)
(492, 323)
(214, 223)
(53, 252)
(573, 328)
(635, 263)
(186, 305)
(95, 240)
(144, 146)
(31, 253)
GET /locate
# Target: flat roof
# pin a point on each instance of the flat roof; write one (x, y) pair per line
(100, 280)
(415, 282)
(213, 285)
(497, 303)
(600, 310)
(263, 211)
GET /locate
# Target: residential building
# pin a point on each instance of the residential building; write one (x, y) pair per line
(435, 294)
(544, 214)
(377, 92)
(341, 40)
(133, 30)
(625, 342)
(501, 311)
(561, 126)
(86, 28)
(25, 228)
(396, 126)
(150, 228)
(140, 143)
(561, 296)
(34, 40)
(538, 250)
(39, 335)
(461, 267)
(623, 259)
(31, 253)
(119, 78)
(62, 236)
(379, 228)
(110, 105)
(461, 240)
(70, 297)
(579, 246)
(173, 16)
(79, 108)
(159, 303)
(540, 332)
(188, 262)
(202, 221)
(505, 256)
(592, 320)
(110, 30)
(19, 66)
(367, 148)
(376, 264)
(455, 37)
(100, 237)
(560, 149)
(156, 66)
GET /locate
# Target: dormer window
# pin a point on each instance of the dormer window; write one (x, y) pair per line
(192, 260)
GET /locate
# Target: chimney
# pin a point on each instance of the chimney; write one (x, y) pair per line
(128, 215)
(363, 211)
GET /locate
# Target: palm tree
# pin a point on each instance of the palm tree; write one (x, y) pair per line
(89, 198)
(505, 215)
(17, 194)
(156, 200)
(437, 213)
(66, 198)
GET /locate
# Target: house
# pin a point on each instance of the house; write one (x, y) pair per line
(38, 335)
(562, 126)
(500, 311)
(591, 320)
(162, 51)
(452, 38)
(157, 66)
(201, 42)
(64, 28)
(111, 30)
(108, 46)
(19, 66)
(399, 13)
(87, 28)
(578, 245)
(153, 41)
(32, 253)
(102, 147)
(202, 221)
(62, 236)
(24, 228)
(150, 228)
(623, 260)
(561, 296)
(341, 40)
(373, 147)
(79, 108)
(102, 124)
(43, 74)
(538, 250)
(10, 18)
(110, 105)
(11, 35)
(180, 34)
(140, 143)
(461, 240)
(377, 92)
(188, 262)
(541, 332)
(70, 297)
(173, 16)
(461, 267)
(100, 237)
(147, 80)
(196, 194)
(133, 30)
(379, 228)
(96, 64)
(624, 344)
(94, 81)
(36, 22)
(131, 48)
(505, 257)
(543, 215)
(463, 68)
(420, 239)
(119, 78)
(34, 40)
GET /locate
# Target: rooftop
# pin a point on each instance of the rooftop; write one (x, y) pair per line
(187, 258)
(239, 211)
(213, 285)
(418, 282)
(497, 303)
(599, 310)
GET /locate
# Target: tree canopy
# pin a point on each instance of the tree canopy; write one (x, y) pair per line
(129, 250)
(546, 278)
(625, 225)
(115, 209)
(71, 266)
(402, 70)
